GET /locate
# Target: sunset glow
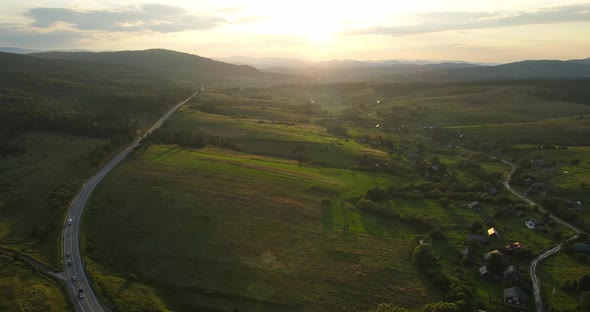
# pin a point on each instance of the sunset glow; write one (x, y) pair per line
(496, 31)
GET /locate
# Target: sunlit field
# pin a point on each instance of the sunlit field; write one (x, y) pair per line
(226, 229)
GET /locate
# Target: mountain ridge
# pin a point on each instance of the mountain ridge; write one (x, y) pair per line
(158, 59)
(517, 70)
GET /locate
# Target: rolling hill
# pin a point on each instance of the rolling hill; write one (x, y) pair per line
(159, 60)
(581, 61)
(18, 50)
(415, 71)
(80, 98)
(517, 70)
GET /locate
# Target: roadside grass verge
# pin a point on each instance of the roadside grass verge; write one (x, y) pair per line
(36, 186)
(24, 289)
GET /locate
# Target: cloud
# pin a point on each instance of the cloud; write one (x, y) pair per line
(145, 18)
(230, 10)
(446, 21)
(16, 35)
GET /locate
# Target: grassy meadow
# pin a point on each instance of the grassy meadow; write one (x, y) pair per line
(220, 230)
(271, 223)
(284, 137)
(38, 178)
(447, 104)
(559, 131)
(24, 289)
(570, 182)
(553, 272)
(36, 186)
(494, 106)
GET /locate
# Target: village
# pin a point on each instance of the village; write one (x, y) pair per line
(506, 265)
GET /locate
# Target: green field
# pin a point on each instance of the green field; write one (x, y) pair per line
(219, 230)
(553, 271)
(295, 141)
(37, 181)
(570, 182)
(246, 228)
(496, 105)
(562, 132)
(36, 186)
(448, 104)
(24, 289)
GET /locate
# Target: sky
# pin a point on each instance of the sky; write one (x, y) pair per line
(497, 31)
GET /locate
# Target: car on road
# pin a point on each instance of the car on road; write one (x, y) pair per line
(70, 221)
(67, 254)
(69, 262)
(73, 278)
(81, 293)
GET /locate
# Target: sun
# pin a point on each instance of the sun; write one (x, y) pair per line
(319, 30)
(316, 21)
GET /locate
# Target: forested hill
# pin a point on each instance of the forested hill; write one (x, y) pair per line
(81, 98)
(161, 61)
(519, 70)
(77, 71)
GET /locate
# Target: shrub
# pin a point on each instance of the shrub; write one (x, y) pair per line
(387, 307)
(584, 282)
(434, 194)
(377, 194)
(366, 204)
(441, 307)
(495, 264)
(437, 233)
(423, 256)
(476, 226)
(444, 202)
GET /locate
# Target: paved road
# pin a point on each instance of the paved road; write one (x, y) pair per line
(533, 265)
(71, 232)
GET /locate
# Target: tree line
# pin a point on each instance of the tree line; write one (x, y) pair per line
(187, 138)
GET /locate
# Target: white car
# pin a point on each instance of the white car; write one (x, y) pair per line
(73, 278)
(70, 221)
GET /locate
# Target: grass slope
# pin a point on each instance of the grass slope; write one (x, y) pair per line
(572, 182)
(157, 59)
(553, 272)
(49, 163)
(309, 142)
(23, 289)
(218, 230)
(561, 132)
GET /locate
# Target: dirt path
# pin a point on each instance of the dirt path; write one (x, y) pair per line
(32, 262)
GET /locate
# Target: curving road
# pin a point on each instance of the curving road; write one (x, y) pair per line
(533, 265)
(71, 233)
